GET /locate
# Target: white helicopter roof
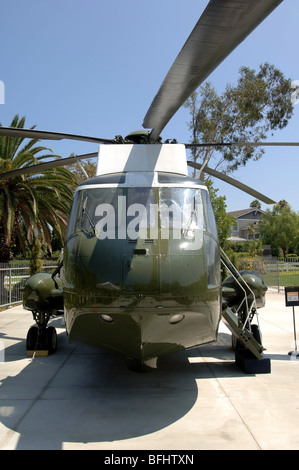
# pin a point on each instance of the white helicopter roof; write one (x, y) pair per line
(121, 158)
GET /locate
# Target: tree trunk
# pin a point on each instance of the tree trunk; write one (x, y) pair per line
(4, 259)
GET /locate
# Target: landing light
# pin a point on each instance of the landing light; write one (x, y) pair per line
(106, 318)
(176, 318)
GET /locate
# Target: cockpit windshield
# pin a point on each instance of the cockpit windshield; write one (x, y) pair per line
(121, 212)
(181, 208)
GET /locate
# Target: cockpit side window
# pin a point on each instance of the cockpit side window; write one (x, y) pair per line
(74, 214)
(209, 215)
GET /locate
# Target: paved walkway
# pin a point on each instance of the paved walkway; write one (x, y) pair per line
(80, 398)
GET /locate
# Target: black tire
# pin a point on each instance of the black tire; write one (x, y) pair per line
(236, 343)
(51, 339)
(31, 339)
(256, 333)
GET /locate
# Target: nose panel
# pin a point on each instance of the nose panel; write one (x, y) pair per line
(140, 273)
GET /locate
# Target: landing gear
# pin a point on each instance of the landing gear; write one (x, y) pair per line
(41, 340)
(32, 339)
(255, 330)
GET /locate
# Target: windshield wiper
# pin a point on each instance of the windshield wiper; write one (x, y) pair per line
(84, 214)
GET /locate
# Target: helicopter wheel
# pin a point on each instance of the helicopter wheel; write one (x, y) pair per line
(46, 340)
(32, 338)
(236, 343)
(51, 339)
(256, 333)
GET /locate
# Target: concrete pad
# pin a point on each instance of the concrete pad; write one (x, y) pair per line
(81, 398)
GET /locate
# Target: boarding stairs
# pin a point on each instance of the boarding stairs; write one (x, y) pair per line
(238, 319)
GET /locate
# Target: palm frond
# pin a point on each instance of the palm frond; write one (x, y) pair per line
(39, 202)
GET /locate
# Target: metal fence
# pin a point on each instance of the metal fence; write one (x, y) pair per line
(281, 273)
(275, 273)
(12, 280)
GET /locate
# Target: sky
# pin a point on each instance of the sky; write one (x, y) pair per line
(92, 67)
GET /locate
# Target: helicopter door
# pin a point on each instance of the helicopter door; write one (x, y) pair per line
(140, 265)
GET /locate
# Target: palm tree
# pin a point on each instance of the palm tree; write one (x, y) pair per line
(255, 204)
(31, 205)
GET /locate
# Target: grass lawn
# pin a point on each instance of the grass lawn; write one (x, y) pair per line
(285, 278)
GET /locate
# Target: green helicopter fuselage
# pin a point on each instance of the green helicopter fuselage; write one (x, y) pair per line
(142, 265)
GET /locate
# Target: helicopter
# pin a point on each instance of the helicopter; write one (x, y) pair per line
(141, 268)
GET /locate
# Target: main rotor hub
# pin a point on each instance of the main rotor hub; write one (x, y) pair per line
(138, 137)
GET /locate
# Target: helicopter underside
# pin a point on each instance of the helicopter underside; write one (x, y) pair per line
(142, 332)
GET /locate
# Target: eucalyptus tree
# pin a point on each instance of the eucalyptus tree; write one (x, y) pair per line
(259, 103)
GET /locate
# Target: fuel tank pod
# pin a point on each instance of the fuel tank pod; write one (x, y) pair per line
(233, 288)
(42, 293)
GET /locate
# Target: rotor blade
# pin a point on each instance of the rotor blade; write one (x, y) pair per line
(223, 25)
(48, 135)
(45, 166)
(233, 182)
(243, 144)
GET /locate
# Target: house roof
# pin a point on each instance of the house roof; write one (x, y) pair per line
(242, 212)
(237, 239)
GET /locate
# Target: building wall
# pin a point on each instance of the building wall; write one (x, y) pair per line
(243, 221)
